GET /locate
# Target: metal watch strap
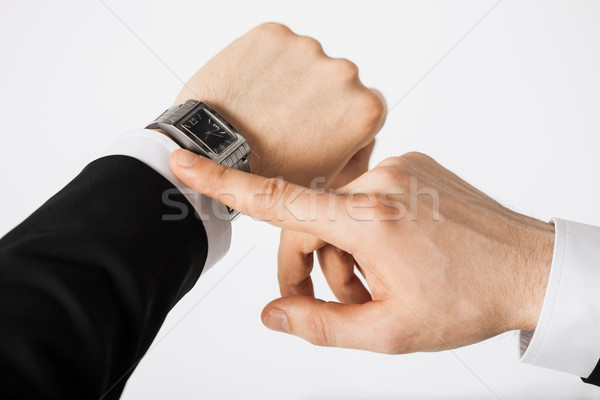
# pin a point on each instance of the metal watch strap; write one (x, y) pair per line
(173, 114)
(238, 159)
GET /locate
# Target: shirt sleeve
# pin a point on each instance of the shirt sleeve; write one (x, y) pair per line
(153, 149)
(567, 336)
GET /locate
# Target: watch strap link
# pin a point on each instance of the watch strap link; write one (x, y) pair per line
(173, 114)
(239, 158)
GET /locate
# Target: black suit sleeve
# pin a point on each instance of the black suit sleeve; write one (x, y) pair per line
(87, 280)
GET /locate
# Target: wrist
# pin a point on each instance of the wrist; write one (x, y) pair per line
(535, 260)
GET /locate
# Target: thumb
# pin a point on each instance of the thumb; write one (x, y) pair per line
(273, 200)
(355, 326)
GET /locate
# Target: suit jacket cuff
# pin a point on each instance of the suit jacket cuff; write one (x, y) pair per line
(568, 331)
(153, 149)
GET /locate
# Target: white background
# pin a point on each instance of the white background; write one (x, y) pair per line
(513, 108)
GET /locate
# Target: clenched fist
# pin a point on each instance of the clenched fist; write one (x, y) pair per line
(305, 115)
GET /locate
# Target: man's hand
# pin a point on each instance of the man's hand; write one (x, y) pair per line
(305, 115)
(446, 265)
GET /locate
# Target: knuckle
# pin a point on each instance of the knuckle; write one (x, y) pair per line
(320, 334)
(417, 157)
(272, 29)
(270, 193)
(393, 172)
(363, 200)
(306, 245)
(216, 178)
(386, 209)
(310, 45)
(296, 242)
(415, 161)
(373, 107)
(346, 69)
(389, 162)
(380, 210)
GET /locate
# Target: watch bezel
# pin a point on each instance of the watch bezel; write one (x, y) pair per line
(191, 142)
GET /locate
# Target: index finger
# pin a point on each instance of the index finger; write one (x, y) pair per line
(273, 200)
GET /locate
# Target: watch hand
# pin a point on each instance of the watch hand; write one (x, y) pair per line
(215, 133)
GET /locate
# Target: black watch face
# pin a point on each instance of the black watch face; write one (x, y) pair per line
(204, 127)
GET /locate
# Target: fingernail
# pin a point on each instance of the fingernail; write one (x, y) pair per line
(277, 321)
(185, 159)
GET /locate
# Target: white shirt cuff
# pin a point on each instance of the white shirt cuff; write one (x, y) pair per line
(153, 149)
(567, 336)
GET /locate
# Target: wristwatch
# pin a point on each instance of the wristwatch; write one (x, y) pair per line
(196, 127)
